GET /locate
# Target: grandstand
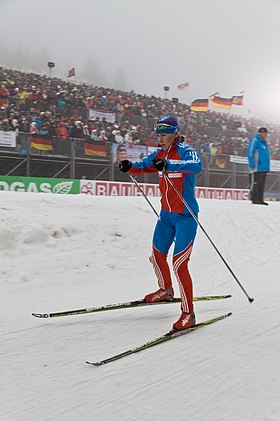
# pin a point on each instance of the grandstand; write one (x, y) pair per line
(50, 127)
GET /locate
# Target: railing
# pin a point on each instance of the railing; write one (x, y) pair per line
(76, 158)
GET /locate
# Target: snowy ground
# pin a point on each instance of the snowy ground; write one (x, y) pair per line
(62, 252)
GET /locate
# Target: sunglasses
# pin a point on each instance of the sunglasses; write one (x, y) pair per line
(163, 126)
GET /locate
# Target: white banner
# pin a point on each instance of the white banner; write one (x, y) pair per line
(110, 117)
(274, 165)
(115, 188)
(238, 159)
(8, 139)
(225, 194)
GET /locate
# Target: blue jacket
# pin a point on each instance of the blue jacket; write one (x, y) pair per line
(258, 155)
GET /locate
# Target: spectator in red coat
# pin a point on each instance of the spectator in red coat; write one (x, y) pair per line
(61, 130)
(33, 129)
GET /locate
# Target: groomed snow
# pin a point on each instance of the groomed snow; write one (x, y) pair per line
(63, 252)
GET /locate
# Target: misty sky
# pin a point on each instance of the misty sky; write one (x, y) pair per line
(215, 45)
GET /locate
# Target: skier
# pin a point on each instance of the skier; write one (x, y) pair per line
(259, 165)
(181, 163)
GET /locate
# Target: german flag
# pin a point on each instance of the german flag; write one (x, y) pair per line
(200, 105)
(221, 161)
(238, 99)
(4, 102)
(95, 149)
(220, 102)
(42, 142)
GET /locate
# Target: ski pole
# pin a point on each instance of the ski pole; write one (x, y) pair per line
(141, 190)
(201, 226)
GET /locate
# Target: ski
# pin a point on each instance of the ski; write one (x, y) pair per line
(168, 336)
(130, 304)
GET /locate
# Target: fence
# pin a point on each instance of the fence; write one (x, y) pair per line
(46, 156)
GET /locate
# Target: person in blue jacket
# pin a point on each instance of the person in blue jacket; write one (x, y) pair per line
(259, 165)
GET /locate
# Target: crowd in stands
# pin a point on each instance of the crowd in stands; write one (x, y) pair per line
(37, 104)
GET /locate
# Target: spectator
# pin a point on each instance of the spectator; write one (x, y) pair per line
(118, 137)
(77, 131)
(102, 138)
(33, 128)
(49, 101)
(94, 136)
(259, 165)
(61, 130)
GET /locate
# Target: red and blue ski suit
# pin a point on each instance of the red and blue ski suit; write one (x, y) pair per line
(175, 222)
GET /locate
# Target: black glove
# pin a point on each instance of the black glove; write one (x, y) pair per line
(125, 165)
(160, 164)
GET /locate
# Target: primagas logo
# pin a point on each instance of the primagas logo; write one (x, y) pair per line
(63, 187)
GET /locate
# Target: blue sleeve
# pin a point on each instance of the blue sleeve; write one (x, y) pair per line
(251, 151)
(189, 162)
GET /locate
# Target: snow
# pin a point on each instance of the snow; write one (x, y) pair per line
(63, 252)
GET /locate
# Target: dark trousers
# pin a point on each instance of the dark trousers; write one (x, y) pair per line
(257, 183)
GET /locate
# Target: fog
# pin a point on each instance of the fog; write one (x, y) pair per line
(215, 45)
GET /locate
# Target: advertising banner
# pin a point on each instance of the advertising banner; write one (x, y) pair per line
(106, 188)
(127, 151)
(39, 185)
(110, 188)
(110, 117)
(274, 164)
(225, 194)
(152, 149)
(8, 139)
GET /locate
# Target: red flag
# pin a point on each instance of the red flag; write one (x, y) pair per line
(71, 72)
(183, 85)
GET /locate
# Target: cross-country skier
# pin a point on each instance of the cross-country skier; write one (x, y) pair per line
(181, 163)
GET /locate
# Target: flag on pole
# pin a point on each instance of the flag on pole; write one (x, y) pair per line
(215, 94)
(183, 85)
(199, 105)
(220, 102)
(238, 99)
(71, 72)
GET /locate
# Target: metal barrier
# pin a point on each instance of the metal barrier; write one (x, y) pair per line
(77, 158)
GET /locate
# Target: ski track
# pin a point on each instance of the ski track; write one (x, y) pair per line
(66, 252)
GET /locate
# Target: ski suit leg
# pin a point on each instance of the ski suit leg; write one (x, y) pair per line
(186, 229)
(163, 237)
